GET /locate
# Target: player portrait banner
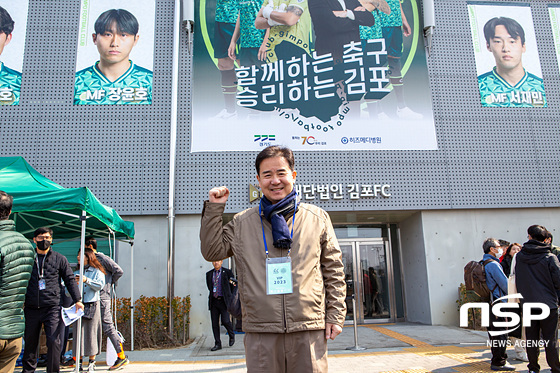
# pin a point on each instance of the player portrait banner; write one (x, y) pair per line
(13, 25)
(554, 13)
(311, 75)
(507, 59)
(115, 60)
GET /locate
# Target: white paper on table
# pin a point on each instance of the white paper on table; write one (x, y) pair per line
(69, 315)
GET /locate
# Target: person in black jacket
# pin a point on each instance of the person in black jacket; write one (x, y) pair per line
(219, 286)
(511, 250)
(537, 277)
(42, 301)
(337, 23)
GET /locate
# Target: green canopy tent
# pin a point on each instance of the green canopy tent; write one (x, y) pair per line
(69, 212)
(39, 201)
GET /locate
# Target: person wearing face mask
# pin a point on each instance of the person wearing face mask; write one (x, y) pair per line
(42, 301)
(497, 282)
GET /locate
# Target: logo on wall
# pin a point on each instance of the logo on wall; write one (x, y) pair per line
(115, 53)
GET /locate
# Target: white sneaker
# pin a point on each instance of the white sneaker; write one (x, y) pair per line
(384, 117)
(91, 366)
(407, 113)
(224, 115)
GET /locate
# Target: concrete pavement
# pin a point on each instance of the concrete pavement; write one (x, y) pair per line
(390, 348)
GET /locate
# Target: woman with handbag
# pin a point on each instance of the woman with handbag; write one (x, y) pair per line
(94, 280)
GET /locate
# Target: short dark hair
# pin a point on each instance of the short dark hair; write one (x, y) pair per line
(6, 203)
(488, 244)
(275, 151)
(503, 242)
(122, 19)
(6, 22)
(537, 232)
(42, 230)
(512, 26)
(91, 241)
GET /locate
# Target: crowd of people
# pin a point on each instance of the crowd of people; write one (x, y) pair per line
(36, 283)
(533, 270)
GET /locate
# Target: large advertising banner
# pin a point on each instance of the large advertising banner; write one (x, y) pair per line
(311, 75)
(507, 59)
(13, 25)
(554, 13)
(115, 52)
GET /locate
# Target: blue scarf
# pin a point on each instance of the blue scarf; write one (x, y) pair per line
(276, 214)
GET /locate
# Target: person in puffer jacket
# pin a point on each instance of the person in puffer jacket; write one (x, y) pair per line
(16, 262)
(537, 277)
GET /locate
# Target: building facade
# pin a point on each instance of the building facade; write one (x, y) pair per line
(415, 217)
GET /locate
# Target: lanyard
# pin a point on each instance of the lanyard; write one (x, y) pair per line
(291, 233)
(42, 269)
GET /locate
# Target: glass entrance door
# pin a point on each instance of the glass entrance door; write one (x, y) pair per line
(348, 260)
(374, 284)
(368, 274)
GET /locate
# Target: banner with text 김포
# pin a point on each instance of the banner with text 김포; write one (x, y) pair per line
(13, 25)
(115, 52)
(311, 75)
(507, 59)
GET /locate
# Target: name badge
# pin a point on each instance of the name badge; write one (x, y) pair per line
(279, 276)
(42, 284)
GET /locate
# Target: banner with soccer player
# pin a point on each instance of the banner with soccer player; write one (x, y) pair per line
(13, 25)
(507, 59)
(554, 13)
(311, 75)
(115, 52)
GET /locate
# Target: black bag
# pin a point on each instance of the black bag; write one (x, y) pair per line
(233, 303)
(89, 310)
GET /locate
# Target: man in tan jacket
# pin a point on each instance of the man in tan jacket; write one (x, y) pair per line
(290, 271)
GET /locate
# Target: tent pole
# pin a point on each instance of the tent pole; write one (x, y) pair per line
(78, 325)
(172, 156)
(131, 295)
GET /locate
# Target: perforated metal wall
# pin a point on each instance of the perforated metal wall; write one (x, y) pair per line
(487, 157)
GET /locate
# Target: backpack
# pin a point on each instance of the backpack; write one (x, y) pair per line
(475, 281)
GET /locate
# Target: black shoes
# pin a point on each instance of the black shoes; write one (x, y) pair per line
(231, 340)
(216, 347)
(502, 368)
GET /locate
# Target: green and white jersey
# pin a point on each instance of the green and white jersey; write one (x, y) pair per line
(496, 92)
(297, 34)
(395, 18)
(91, 87)
(10, 85)
(227, 11)
(372, 32)
(249, 36)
